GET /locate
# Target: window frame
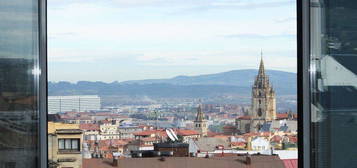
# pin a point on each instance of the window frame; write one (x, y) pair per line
(303, 82)
(303, 86)
(70, 147)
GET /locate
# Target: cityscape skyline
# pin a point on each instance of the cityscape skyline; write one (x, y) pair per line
(122, 40)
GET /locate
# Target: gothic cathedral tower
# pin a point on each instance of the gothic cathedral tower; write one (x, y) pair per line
(200, 122)
(263, 97)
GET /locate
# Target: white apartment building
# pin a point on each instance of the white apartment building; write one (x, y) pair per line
(79, 103)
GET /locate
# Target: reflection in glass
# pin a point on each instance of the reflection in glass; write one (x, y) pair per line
(18, 83)
(334, 83)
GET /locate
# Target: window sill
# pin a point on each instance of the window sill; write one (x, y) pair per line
(68, 152)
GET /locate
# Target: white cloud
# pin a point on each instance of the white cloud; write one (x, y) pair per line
(87, 31)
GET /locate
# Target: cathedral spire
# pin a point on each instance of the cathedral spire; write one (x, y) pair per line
(261, 66)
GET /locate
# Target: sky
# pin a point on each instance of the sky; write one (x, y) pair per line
(120, 40)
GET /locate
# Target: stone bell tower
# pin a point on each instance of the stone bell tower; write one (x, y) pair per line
(200, 122)
(263, 97)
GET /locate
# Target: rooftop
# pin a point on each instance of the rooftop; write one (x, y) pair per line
(94, 127)
(186, 162)
(53, 127)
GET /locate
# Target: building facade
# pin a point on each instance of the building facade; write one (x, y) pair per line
(79, 103)
(64, 145)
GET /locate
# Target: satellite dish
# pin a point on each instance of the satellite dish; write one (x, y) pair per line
(173, 134)
(168, 132)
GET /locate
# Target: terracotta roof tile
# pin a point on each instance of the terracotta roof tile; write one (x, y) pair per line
(92, 127)
(186, 132)
(290, 163)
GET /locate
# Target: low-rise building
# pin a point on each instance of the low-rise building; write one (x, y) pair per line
(126, 131)
(64, 145)
(90, 131)
(188, 134)
(177, 149)
(259, 143)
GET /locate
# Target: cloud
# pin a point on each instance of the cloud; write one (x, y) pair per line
(249, 4)
(259, 36)
(145, 37)
(286, 19)
(242, 4)
(70, 55)
(61, 35)
(240, 57)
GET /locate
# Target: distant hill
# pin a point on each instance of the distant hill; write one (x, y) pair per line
(237, 82)
(242, 78)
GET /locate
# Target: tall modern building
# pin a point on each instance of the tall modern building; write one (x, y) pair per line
(78, 103)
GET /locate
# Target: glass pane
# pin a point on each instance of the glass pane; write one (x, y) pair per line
(61, 144)
(334, 83)
(74, 143)
(68, 144)
(220, 73)
(19, 53)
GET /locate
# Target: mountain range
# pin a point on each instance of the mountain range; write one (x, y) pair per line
(236, 82)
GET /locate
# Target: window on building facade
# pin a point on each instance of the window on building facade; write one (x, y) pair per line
(68, 144)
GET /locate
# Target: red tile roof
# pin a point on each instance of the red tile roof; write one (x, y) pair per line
(151, 139)
(112, 142)
(250, 134)
(276, 138)
(150, 132)
(290, 163)
(186, 132)
(266, 134)
(285, 116)
(229, 127)
(293, 139)
(92, 127)
(213, 134)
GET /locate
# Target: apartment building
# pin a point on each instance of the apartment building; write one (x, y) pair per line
(64, 145)
(78, 103)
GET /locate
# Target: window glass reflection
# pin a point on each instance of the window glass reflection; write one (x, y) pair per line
(334, 82)
(18, 93)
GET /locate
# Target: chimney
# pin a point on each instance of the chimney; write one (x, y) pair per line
(249, 143)
(248, 159)
(115, 161)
